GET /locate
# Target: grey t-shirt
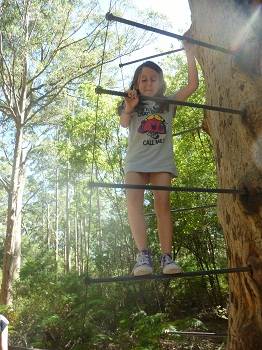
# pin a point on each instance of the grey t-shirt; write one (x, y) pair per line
(150, 141)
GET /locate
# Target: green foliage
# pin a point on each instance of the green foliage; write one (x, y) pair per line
(53, 308)
(50, 307)
(147, 330)
(186, 324)
(56, 310)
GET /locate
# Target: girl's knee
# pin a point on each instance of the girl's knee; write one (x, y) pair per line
(135, 195)
(162, 203)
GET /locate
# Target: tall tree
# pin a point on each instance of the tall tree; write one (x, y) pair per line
(39, 41)
(235, 81)
(46, 49)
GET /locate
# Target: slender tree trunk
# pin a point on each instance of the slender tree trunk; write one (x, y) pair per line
(85, 228)
(98, 223)
(67, 238)
(79, 248)
(57, 208)
(235, 81)
(56, 215)
(81, 232)
(43, 218)
(76, 242)
(48, 226)
(12, 250)
(214, 280)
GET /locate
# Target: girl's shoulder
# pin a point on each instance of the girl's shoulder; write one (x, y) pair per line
(172, 96)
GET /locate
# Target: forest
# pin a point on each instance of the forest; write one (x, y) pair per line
(56, 231)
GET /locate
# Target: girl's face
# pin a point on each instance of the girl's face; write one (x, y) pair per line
(149, 82)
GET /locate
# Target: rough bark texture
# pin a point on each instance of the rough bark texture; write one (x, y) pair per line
(12, 251)
(235, 81)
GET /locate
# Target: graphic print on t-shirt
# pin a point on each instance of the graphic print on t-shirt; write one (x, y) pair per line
(153, 125)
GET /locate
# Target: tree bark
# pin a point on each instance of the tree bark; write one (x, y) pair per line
(57, 215)
(48, 227)
(12, 251)
(76, 242)
(235, 81)
(68, 233)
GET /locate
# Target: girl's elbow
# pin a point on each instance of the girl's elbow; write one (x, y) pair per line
(124, 124)
(194, 86)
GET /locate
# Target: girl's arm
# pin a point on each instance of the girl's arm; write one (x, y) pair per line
(192, 85)
(128, 108)
(125, 117)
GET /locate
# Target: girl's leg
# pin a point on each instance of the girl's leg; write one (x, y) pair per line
(162, 210)
(135, 209)
(164, 221)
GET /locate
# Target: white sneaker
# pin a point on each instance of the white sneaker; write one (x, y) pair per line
(168, 265)
(143, 265)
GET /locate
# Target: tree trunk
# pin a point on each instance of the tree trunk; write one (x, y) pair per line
(76, 242)
(81, 238)
(57, 216)
(12, 250)
(48, 227)
(68, 234)
(57, 208)
(235, 81)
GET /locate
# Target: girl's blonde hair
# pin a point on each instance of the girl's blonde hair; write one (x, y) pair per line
(156, 68)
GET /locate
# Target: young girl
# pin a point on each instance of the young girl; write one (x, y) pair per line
(150, 158)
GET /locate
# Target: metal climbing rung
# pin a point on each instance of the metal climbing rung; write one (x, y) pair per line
(90, 280)
(10, 347)
(165, 100)
(199, 334)
(111, 17)
(167, 188)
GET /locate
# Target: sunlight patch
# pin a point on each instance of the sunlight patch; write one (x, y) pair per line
(257, 152)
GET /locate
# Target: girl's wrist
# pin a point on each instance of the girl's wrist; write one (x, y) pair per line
(127, 112)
